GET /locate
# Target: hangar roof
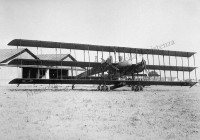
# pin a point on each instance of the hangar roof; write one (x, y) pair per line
(8, 54)
(59, 57)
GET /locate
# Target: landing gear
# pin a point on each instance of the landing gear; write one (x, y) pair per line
(141, 88)
(99, 88)
(137, 88)
(133, 87)
(103, 88)
(73, 87)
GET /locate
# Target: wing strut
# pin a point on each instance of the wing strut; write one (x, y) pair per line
(148, 63)
(153, 66)
(71, 66)
(145, 65)
(136, 62)
(159, 65)
(89, 60)
(164, 65)
(84, 61)
(188, 64)
(97, 59)
(170, 65)
(61, 64)
(176, 66)
(195, 69)
(182, 68)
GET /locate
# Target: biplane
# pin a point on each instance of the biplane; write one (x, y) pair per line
(111, 73)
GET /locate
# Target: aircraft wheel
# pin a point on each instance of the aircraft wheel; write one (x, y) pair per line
(99, 88)
(108, 88)
(105, 88)
(133, 88)
(137, 88)
(72, 86)
(141, 88)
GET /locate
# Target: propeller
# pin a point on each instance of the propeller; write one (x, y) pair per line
(109, 64)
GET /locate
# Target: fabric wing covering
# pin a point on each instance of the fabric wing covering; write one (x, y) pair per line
(50, 44)
(33, 62)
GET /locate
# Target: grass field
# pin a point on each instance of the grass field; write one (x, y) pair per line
(159, 112)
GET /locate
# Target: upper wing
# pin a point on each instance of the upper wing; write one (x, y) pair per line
(50, 44)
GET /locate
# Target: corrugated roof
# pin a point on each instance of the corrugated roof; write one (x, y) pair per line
(52, 56)
(8, 53)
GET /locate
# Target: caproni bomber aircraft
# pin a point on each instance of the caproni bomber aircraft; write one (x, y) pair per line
(123, 68)
(107, 74)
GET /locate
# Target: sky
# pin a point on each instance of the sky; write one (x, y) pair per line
(127, 23)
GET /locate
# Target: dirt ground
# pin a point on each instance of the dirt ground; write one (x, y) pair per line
(54, 113)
